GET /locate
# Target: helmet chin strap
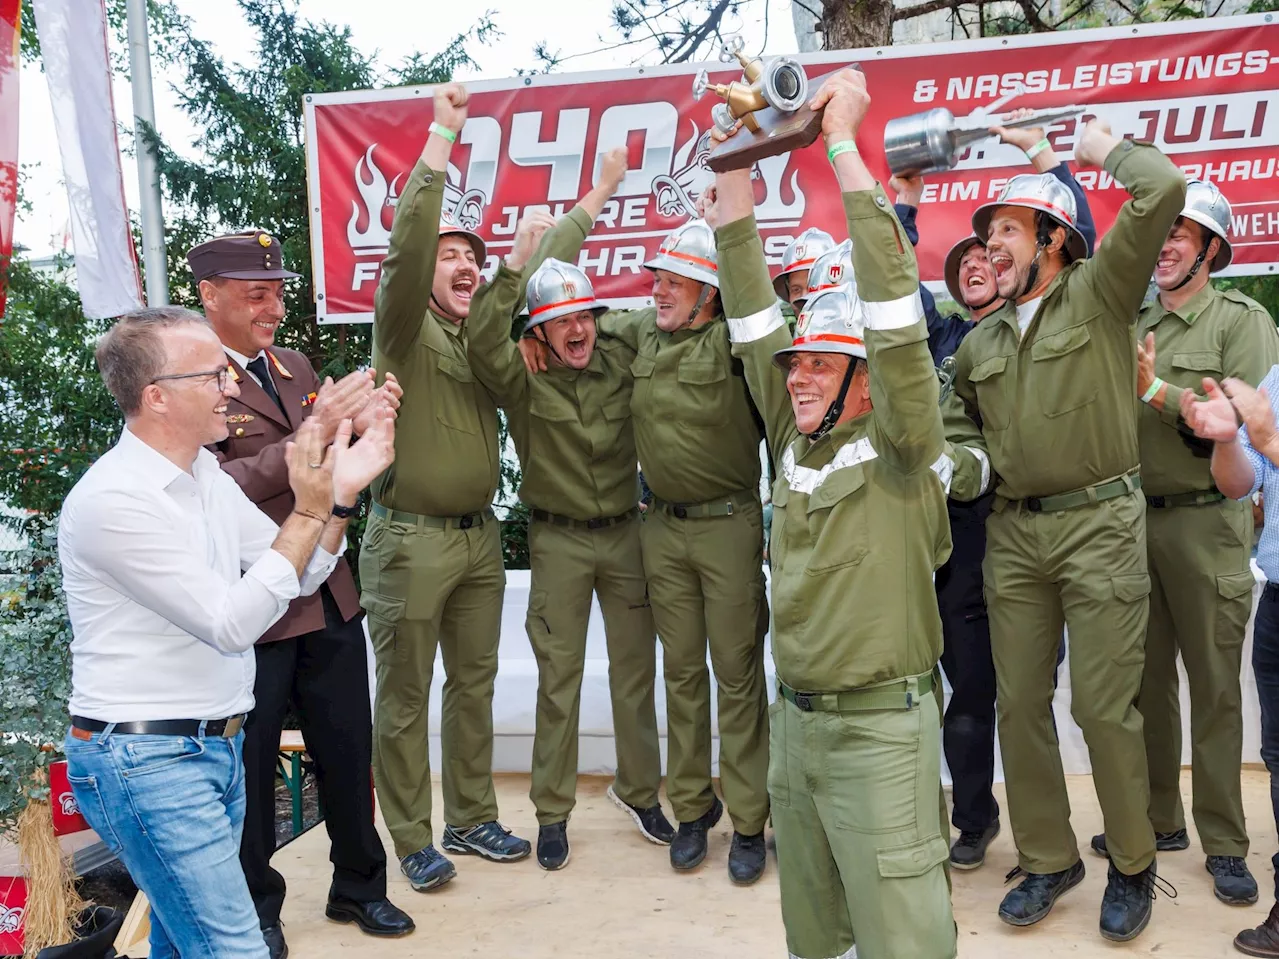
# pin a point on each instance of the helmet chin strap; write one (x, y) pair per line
(546, 341)
(703, 296)
(982, 306)
(837, 405)
(1195, 267)
(440, 307)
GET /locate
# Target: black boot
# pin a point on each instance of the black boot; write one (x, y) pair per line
(1233, 883)
(1030, 901)
(1263, 940)
(553, 846)
(970, 850)
(1126, 903)
(1165, 842)
(689, 847)
(746, 858)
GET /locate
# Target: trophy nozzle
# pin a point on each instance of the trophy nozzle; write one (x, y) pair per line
(700, 84)
(722, 118)
(784, 85)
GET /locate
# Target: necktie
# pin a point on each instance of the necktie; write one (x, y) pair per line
(258, 367)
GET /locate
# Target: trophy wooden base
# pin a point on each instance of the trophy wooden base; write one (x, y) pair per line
(778, 133)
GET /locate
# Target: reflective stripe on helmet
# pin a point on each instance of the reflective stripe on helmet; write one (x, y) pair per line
(827, 338)
(553, 306)
(677, 255)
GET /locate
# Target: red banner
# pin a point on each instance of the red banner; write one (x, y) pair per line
(1204, 91)
(10, 36)
(13, 907)
(66, 814)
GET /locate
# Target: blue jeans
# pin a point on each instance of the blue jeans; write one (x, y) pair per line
(172, 809)
(1265, 663)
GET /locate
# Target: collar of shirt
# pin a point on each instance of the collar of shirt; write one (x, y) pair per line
(156, 470)
(1194, 306)
(244, 361)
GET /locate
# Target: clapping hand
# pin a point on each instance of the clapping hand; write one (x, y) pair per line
(340, 401)
(356, 465)
(1213, 418)
(1254, 407)
(385, 397)
(311, 467)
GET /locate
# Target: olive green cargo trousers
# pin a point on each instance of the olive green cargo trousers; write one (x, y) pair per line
(424, 587)
(1087, 566)
(1201, 597)
(861, 847)
(706, 584)
(567, 565)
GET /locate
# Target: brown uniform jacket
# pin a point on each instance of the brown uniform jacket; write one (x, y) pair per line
(253, 453)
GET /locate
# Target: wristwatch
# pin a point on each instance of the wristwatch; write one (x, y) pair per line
(343, 512)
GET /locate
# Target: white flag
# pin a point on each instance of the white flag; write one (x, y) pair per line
(73, 44)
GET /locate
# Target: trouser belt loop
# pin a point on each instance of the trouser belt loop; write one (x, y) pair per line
(204, 724)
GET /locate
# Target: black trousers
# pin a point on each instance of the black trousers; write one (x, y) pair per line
(325, 675)
(969, 723)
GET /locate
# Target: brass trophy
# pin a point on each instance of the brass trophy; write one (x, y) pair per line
(770, 100)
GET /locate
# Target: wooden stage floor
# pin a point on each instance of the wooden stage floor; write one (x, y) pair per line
(618, 897)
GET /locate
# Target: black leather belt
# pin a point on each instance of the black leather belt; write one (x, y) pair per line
(600, 522)
(224, 728)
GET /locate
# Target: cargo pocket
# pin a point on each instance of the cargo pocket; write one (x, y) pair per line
(1235, 602)
(703, 398)
(456, 408)
(914, 897)
(385, 614)
(778, 784)
(872, 768)
(1064, 389)
(1132, 588)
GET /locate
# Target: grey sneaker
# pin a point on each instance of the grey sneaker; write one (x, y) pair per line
(491, 840)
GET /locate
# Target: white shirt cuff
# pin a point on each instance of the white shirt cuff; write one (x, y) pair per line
(277, 574)
(981, 457)
(894, 314)
(757, 326)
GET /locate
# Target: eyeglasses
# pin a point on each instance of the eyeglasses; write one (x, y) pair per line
(220, 374)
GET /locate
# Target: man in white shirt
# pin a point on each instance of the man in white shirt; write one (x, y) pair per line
(171, 574)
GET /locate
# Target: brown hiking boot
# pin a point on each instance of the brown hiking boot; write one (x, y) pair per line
(1264, 940)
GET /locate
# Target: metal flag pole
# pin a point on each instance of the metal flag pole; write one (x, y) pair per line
(144, 111)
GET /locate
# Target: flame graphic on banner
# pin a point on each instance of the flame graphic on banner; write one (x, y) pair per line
(374, 195)
(677, 194)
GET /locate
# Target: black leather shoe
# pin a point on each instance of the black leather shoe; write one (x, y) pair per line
(277, 948)
(1165, 842)
(1263, 940)
(1032, 899)
(1126, 903)
(377, 918)
(746, 858)
(553, 846)
(970, 850)
(1233, 883)
(689, 847)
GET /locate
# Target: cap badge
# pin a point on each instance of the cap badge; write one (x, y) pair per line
(264, 239)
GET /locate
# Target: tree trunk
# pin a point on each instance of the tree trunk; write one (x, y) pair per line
(848, 24)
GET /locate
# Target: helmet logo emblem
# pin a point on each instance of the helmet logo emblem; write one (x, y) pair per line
(799, 251)
(835, 272)
(570, 289)
(802, 324)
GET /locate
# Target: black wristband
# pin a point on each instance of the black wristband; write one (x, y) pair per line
(343, 512)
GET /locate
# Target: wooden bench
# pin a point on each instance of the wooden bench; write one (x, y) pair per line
(290, 766)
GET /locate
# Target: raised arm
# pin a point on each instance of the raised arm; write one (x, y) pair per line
(1127, 255)
(409, 267)
(906, 426)
(491, 353)
(757, 326)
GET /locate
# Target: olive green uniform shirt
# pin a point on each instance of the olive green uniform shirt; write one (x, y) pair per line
(1056, 403)
(447, 427)
(696, 430)
(859, 517)
(572, 428)
(1215, 334)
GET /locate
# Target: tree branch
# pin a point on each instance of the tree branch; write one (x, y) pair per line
(689, 47)
(1032, 13)
(920, 9)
